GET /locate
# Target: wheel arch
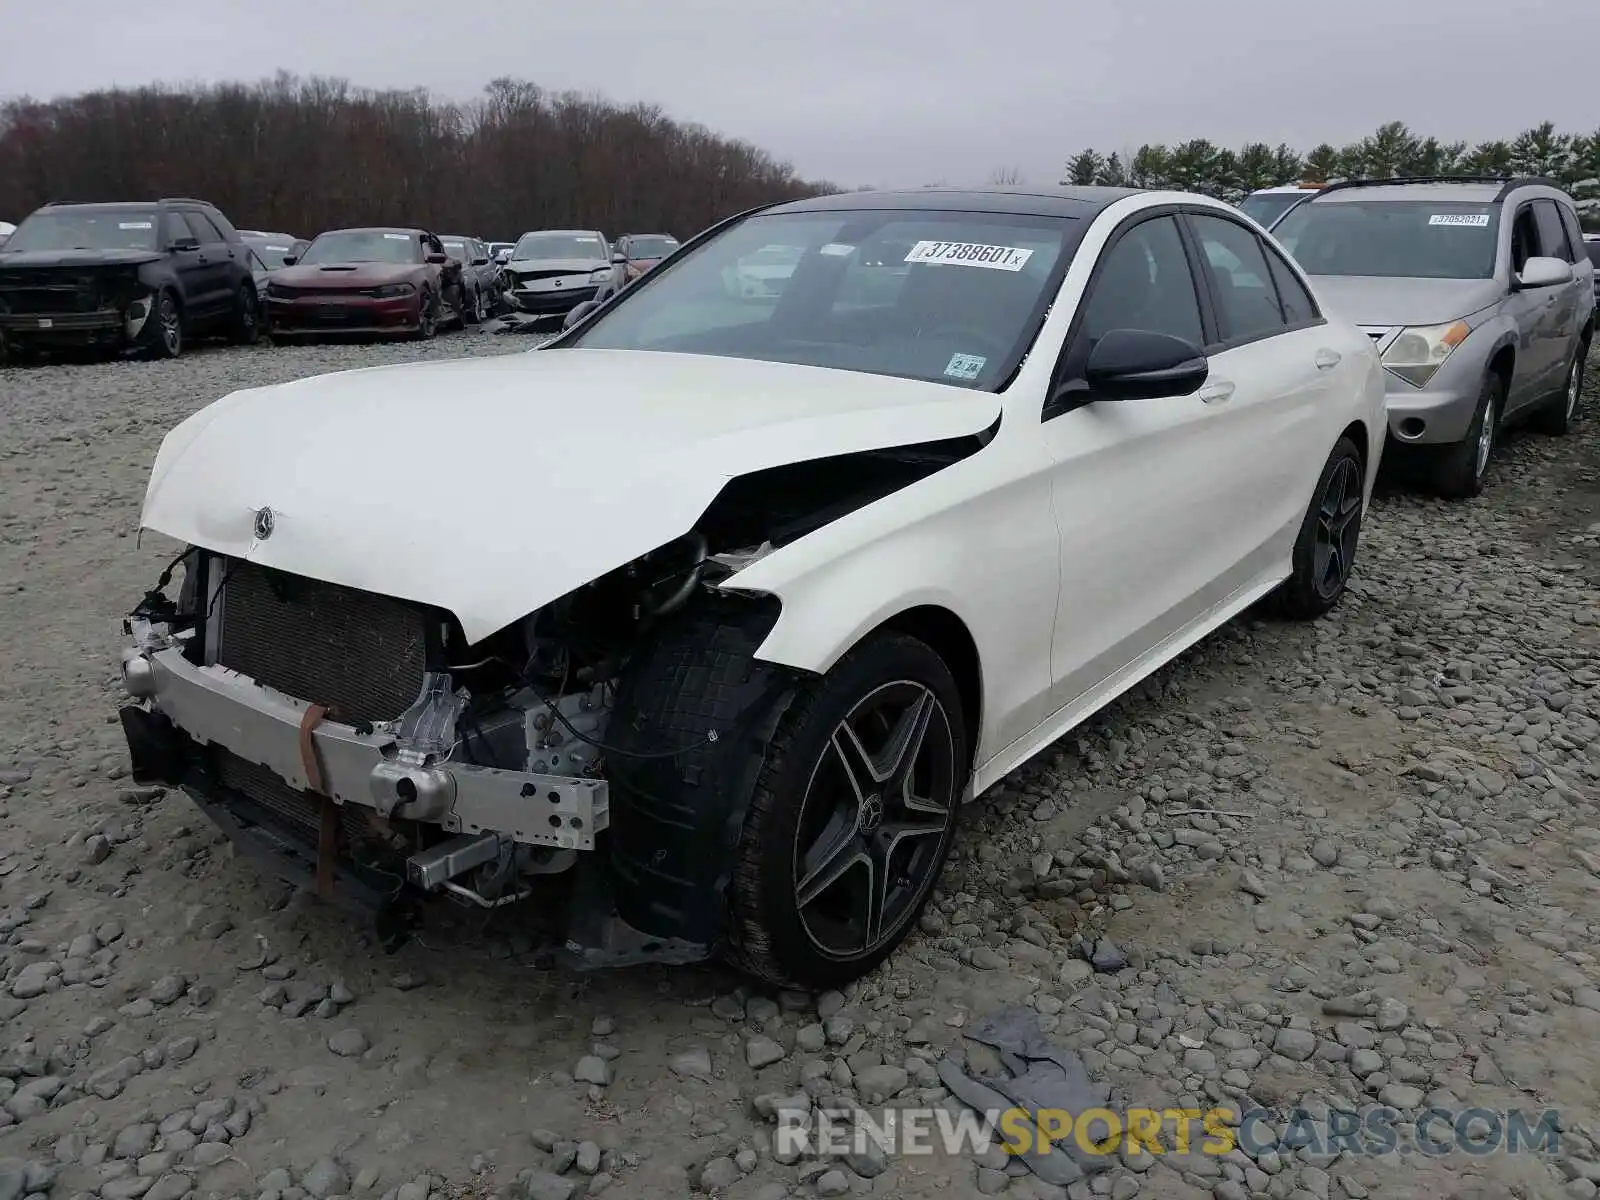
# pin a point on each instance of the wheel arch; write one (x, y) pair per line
(1503, 364)
(947, 635)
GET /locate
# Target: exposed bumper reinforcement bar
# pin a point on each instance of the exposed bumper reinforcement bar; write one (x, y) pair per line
(215, 705)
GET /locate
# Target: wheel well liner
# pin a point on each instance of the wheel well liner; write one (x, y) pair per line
(1502, 362)
(947, 636)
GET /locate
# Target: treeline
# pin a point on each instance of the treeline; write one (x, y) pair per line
(1573, 160)
(302, 155)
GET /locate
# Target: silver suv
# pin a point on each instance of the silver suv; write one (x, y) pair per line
(1479, 296)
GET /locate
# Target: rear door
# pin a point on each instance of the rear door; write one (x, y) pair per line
(216, 264)
(187, 264)
(1274, 365)
(1534, 314)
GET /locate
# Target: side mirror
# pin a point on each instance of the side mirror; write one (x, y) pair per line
(186, 243)
(289, 260)
(618, 257)
(1138, 364)
(436, 260)
(480, 262)
(1542, 273)
(579, 313)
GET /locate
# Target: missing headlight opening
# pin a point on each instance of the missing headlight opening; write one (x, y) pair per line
(596, 752)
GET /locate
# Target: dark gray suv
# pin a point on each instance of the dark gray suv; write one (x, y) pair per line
(1478, 293)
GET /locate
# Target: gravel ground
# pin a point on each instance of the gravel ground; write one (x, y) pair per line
(1345, 865)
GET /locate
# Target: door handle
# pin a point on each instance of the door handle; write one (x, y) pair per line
(1216, 393)
(1326, 360)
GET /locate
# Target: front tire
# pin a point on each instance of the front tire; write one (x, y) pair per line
(246, 317)
(851, 819)
(427, 316)
(1325, 550)
(1459, 469)
(166, 339)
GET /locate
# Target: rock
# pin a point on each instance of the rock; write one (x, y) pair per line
(325, 1177)
(877, 1085)
(832, 1183)
(167, 990)
(1297, 1045)
(694, 1063)
(588, 1157)
(34, 979)
(348, 1043)
(593, 1069)
(96, 849)
(718, 1174)
(542, 1185)
(762, 1051)
(171, 1186)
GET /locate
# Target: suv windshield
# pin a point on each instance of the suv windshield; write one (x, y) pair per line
(559, 245)
(457, 249)
(1267, 208)
(1395, 239)
(86, 229)
(651, 247)
(947, 297)
(362, 245)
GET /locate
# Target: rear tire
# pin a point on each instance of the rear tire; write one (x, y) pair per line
(1459, 469)
(246, 317)
(427, 316)
(1325, 550)
(1559, 414)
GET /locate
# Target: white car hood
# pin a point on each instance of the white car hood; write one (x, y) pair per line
(489, 487)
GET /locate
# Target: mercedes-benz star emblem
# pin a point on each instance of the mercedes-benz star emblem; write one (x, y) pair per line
(871, 814)
(265, 522)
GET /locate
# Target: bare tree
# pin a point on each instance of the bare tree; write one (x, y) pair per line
(1006, 176)
(303, 155)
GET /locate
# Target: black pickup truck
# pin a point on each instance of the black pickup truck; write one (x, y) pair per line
(140, 277)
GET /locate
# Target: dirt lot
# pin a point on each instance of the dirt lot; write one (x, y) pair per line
(1349, 865)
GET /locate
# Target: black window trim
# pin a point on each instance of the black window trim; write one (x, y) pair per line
(1208, 326)
(1524, 206)
(1574, 228)
(1219, 347)
(1566, 253)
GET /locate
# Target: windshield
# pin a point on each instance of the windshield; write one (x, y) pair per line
(651, 247)
(1393, 239)
(86, 229)
(270, 252)
(457, 249)
(947, 297)
(1269, 207)
(363, 245)
(559, 245)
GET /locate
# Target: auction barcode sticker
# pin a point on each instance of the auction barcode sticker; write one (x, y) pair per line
(1475, 220)
(970, 254)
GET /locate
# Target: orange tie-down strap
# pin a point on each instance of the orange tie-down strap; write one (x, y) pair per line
(328, 831)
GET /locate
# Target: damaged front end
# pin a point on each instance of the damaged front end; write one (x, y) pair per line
(107, 307)
(364, 746)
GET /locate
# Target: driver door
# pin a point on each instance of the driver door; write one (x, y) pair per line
(1135, 482)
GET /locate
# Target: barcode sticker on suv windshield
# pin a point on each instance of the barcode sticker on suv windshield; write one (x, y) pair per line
(970, 254)
(1475, 220)
(134, 225)
(398, 237)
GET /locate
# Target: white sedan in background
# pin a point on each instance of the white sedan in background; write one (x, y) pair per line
(734, 637)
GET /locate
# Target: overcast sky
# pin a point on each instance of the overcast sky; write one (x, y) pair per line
(887, 92)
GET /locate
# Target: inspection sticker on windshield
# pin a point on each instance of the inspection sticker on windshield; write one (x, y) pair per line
(398, 237)
(970, 254)
(965, 366)
(1475, 220)
(837, 250)
(134, 225)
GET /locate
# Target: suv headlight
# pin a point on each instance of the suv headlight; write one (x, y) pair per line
(390, 290)
(1418, 353)
(600, 275)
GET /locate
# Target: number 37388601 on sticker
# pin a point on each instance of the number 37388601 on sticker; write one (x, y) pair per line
(970, 254)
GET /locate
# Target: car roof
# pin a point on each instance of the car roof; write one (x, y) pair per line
(375, 229)
(565, 233)
(1468, 193)
(1288, 189)
(1075, 202)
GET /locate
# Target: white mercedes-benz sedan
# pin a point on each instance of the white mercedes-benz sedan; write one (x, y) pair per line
(697, 626)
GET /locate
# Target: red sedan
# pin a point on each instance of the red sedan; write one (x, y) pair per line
(366, 281)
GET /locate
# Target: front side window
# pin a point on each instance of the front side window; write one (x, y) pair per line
(85, 229)
(1552, 235)
(1143, 282)
(1393, 239)
(362, 245)
(947, 297)
(1247, 301)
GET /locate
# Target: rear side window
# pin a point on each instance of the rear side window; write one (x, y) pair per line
(1298, 306)
(1247, 301)
(1552, 236)
(1569, 222)
(1594, 253)
(203, 229)
(229, 233)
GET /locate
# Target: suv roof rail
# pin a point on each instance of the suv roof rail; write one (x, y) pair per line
(185, 200)
(1508, 183)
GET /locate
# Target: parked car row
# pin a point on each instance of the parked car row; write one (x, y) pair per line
(149, 277)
